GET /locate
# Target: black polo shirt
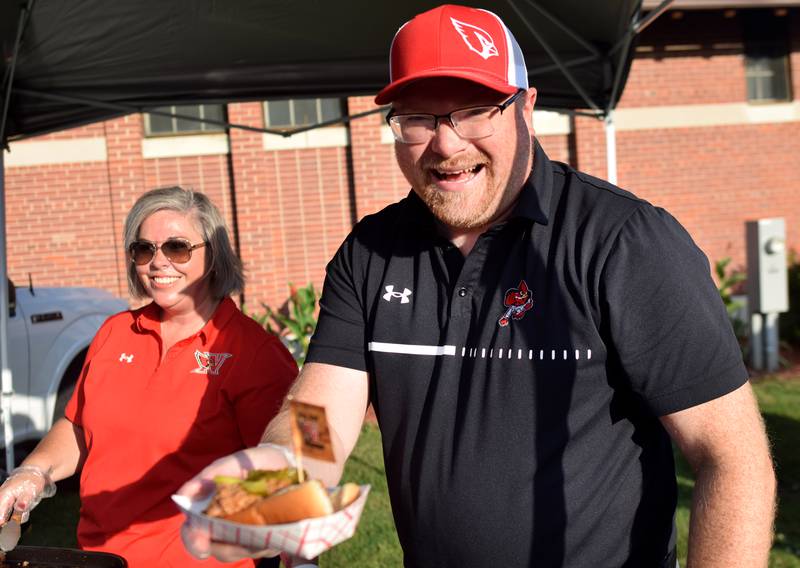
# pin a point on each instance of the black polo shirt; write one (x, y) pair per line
(518, 389)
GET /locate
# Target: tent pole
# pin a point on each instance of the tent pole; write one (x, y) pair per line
(550, 52)
(610, 127)
(612, 100)
(6, 381)
(128, 109)
(639, 26)
(8, 79)
(636, 27)
(568, 31)
(533, 71)
(611, 148)
(6, 384)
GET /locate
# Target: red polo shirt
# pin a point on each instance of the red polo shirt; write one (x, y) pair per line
(149, 426)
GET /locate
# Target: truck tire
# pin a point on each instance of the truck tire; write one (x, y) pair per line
(67, 385)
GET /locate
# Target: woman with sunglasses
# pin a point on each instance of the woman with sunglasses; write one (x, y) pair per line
(165, 389)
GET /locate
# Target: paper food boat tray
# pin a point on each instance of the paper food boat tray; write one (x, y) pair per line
(307, 538)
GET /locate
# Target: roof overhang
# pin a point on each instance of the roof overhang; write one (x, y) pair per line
(721, 4)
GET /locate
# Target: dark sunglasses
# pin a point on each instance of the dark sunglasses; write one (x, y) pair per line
(176, 250)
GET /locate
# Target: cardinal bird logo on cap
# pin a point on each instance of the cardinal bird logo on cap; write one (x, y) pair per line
(209, 363)
(517, 301)
(477, 40)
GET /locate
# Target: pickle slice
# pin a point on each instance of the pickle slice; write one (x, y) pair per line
(260, 481)
(227, 480)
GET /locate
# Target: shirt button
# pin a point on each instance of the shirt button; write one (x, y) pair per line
(462, 292)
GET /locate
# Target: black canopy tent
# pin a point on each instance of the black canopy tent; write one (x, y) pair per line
(140, 54)
(72, 62)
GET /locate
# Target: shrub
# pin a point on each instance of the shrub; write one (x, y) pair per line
(728, 281)
(294, 322)
(789, 322)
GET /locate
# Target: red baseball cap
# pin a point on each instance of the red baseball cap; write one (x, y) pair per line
(455, 41)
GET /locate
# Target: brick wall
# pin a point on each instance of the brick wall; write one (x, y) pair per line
(294, 210)
(712, 178)
(61, 219)
(378, 180)
(59, 226)
(718, 178)
(696, 59)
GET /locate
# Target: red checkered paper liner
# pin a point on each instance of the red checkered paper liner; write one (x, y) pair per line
(307, 538)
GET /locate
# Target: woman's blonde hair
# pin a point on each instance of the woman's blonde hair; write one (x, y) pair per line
(222, 265)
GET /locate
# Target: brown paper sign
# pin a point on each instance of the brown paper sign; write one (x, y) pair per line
(310, 433)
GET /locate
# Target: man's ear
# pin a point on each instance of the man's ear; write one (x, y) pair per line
(527, 108)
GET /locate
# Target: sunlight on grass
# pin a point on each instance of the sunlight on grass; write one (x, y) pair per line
(375, 543)
(780, 406)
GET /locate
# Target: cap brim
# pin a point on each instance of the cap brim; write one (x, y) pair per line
(390, 92)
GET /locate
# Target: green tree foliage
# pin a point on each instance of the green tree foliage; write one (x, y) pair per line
(728, 280)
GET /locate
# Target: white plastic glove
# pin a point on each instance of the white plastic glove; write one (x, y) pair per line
(24, 488)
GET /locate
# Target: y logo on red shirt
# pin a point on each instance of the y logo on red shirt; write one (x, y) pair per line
(517, 301)
(209, 363)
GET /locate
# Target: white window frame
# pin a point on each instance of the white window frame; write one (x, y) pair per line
(762, 76)
(293, 123)
(202, 128)
(330, 136)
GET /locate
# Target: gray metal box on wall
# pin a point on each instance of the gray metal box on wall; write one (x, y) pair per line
(767, 279)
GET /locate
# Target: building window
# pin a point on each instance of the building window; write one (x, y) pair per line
(294, 113)
(766, 56)
(767, 73)
(158, 125)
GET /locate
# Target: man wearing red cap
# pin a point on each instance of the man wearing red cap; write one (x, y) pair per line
(532, 340)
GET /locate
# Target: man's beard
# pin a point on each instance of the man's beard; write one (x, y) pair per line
(461, 210)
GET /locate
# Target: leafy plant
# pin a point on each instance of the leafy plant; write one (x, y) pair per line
(294, 322)
(728, 281)
(789, 322)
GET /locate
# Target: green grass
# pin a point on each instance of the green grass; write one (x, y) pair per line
(375, 542)
(780, 403)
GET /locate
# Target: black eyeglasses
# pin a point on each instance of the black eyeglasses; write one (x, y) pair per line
(176, 250)
(469, 123)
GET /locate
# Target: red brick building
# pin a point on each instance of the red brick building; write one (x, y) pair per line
(708, 127)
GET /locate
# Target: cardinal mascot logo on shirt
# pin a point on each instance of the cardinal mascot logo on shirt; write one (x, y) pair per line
(517, 301)
(209, 363)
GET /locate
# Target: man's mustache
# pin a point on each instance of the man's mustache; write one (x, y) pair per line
(462, 163)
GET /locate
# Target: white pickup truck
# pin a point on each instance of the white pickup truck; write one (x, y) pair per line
(49, 331)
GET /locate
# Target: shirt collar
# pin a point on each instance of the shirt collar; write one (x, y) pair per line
(534, 199)
(147, 320)
(219, 320)
(419, 216)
